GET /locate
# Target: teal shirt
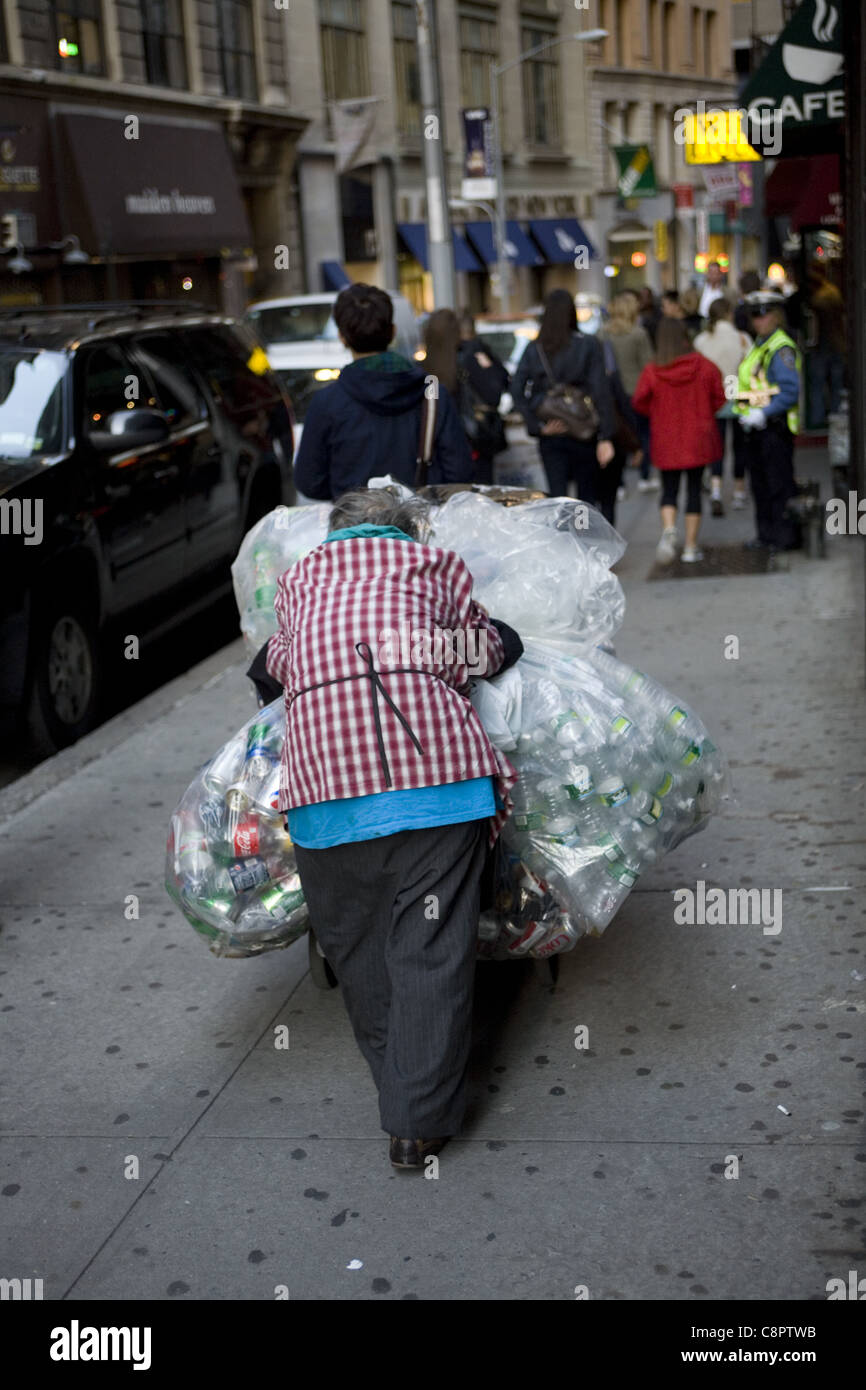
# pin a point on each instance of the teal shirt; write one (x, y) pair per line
(328, 823)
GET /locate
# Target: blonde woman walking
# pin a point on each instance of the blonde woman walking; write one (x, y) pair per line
(632, 350)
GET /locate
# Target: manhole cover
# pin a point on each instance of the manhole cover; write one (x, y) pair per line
(720, 560)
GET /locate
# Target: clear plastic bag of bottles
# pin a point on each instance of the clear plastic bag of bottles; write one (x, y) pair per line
(272, 546)
(614, 772)
(230, 866)
(526, 919)
(543, 567)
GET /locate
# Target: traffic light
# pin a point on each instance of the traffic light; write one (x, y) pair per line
(8, 231)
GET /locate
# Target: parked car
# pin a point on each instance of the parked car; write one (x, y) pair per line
(308, 318)
(145, 440)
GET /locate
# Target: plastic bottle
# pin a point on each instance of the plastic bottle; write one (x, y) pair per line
(251, 837)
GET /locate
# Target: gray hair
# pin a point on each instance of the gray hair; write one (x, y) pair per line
(379, 506)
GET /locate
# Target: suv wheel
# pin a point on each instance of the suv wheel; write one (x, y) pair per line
(65, 674)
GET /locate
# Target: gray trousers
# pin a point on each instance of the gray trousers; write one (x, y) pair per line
(397, 918)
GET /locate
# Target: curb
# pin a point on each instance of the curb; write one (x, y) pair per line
(102, 741)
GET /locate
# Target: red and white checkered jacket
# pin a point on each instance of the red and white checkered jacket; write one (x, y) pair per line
(375, 604)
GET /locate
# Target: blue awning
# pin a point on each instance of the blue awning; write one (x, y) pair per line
(559, 239)
(414, 234)
(518, 248)
(334, 275)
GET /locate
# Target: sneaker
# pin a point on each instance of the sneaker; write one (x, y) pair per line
(666, 550)
(717, 507)
(691, 555)
(739, 501)
(648, 485)
(621, 494)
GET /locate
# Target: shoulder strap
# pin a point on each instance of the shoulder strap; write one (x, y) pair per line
(544, 362)
(425, 440)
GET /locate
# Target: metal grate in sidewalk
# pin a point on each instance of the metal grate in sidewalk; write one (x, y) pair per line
(720, 561)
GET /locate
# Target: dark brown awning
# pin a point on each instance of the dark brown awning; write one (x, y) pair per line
(171, 190)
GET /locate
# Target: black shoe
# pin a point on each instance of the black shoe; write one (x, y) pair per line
(411, 1153)
(716, 507)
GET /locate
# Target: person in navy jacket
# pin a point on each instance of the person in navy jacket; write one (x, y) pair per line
(368, 423)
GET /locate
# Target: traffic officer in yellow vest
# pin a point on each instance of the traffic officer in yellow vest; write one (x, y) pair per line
(767, 408)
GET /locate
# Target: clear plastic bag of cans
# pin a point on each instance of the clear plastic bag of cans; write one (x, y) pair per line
(525, 919)
(272, 546)
(614, 772)
(230, 865)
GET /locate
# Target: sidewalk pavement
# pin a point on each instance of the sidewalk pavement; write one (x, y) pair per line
(156, 1144)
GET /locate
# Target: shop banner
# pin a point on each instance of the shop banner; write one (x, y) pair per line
(479, 166)
(637, 178)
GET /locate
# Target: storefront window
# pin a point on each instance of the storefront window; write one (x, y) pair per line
(344, 49)
(237, 49)
(406, 70)
(540, 84)
(162, 36)
(478, 49)
(78, 45)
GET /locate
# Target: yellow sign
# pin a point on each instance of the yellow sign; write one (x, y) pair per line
(660, 239)
(716, 137)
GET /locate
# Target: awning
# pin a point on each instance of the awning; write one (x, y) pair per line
(334, 276)
(803, 79)
(414, 234)
(559, 239)
(173, 190)
(806, 190)
(635, 232)
(518, 248)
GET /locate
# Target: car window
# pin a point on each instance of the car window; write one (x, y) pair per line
(231, 368)
(293, 323)
(177, 388)
(31, 402)
(112, 381)
(501, 341)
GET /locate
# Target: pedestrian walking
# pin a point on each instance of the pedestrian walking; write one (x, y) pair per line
(714, 288)
(680, 392)
(691, 315)
(632, 350)
(476, 378)
(649, 312)
(368, 423)
(575, 445)
(726, 346)
(768, 410)
(625, 440)
(393, 792)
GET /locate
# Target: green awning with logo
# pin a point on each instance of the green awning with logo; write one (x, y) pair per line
(800, 84)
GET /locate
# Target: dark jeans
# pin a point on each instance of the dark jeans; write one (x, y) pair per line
(671, 488)
(397, 919)
(770, 456)
(739, 448)
(565, 459)
(643, 434)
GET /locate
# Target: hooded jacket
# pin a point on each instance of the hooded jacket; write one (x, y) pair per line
(681, 401)
(369, 423)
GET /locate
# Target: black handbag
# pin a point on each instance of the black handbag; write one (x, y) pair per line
(567, 403)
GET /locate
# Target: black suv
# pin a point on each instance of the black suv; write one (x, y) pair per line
(138, 443)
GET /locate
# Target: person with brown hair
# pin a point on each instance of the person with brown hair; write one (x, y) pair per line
(474, 380)
(680, 392)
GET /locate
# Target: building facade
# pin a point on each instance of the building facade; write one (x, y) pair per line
(372, 219)
(660, 57)
(147, 149)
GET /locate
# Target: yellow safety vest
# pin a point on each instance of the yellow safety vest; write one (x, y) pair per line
(752, 375)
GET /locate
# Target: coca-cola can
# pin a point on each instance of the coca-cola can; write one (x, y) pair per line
(565, 938)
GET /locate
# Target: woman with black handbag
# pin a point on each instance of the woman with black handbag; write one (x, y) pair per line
(562, 391)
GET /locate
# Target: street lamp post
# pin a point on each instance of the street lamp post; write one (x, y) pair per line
(503, 269)
(440, 251)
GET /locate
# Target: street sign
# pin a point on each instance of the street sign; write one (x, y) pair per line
(660, 241)
(684, 196)
(721, 181)
(637, 177)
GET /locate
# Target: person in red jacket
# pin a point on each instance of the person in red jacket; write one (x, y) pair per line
(680, 392)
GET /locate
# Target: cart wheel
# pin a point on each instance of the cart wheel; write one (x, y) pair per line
(322, 975)
(547, 970)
